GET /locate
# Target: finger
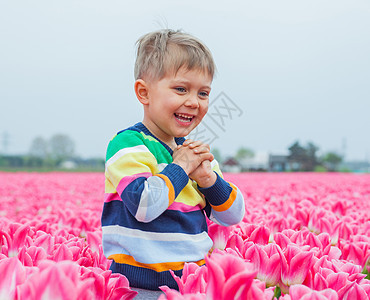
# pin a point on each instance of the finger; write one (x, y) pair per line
(203, 146)
(195, 144)
(206, 163)
(187, 142)
(206, 156)
(201, 149)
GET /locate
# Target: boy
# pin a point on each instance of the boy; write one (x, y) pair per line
(158, 185)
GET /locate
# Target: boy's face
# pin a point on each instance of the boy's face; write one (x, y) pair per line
(177, 103)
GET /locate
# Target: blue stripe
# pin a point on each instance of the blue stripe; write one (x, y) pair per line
(146, 278)
(132, 193)
(116, 213)
(218, 193)
(177, 176)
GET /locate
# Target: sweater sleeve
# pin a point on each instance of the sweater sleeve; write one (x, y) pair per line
(225, 199)
(131, 176)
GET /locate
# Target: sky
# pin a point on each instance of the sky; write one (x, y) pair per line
(286, 70)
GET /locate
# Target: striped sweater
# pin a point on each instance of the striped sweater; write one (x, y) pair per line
(154, 216)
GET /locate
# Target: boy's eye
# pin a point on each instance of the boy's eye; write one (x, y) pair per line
(180, 89)
(204, 94)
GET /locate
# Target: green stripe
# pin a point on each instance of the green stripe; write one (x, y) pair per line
(131, 138)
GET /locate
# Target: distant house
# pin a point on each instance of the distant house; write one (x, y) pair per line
(259, 162)
(356, 166)
(278, 163)
(68, 165)
(231, 165)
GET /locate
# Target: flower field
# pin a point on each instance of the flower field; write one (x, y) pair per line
(304, 236)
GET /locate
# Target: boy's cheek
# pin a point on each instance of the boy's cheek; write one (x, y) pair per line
(203, 112)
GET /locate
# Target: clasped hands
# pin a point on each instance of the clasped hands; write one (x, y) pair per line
(195, 158)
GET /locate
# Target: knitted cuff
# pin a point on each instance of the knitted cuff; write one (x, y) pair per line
(177, 176)
(218, 193)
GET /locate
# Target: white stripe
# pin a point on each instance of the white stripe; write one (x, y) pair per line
(143, 204)
(153, 200)
(122, 152)
(151, 252)
(161, 166)
(154, 236)
(214, 163)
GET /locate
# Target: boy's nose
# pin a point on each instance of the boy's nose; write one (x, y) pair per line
(192, 101)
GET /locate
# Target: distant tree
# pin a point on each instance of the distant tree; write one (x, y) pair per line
(39, 148)
(297, 156)
(331, 161)
(61, 147)
(311, 158)
(217, 154)
(243, 153)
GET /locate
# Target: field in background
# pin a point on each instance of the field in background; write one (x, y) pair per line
(50, 233)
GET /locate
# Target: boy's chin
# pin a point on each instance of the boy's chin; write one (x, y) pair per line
(185, 132)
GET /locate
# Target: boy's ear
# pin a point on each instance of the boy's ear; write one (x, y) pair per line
(141, 91)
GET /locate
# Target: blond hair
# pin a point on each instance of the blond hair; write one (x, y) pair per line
(164, 51)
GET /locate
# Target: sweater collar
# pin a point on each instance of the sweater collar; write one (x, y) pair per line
(178, 140)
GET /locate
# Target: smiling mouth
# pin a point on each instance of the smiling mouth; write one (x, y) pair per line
(184, 118)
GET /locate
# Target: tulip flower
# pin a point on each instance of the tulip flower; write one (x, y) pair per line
(301, 292)
(355, 291)
(266, 260)
(219, 235)
(230, 277)
(15, 238)
(175, 295)
(193, 279)
(295, 265)
(12, 274)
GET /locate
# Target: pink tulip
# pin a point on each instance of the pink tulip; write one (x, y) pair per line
(100, 279)
(314, 223)
(67, 280)
(101, 261)
(281, 240)
(345, 266)
(12, 274)
(354, 291)
(260, 235)
(62, 253)
(32, 255)
(230, 277)
(219, 235)
(301, 292)
(175, 295)
(295, 265)
(44, 240)
(266, 260)
(15, 238)
(53, 283)
(193, 279)
(357, 253)
(94, 239)
(235, 242)
(118, 288)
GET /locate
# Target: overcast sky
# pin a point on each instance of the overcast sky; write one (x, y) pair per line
(287, 70)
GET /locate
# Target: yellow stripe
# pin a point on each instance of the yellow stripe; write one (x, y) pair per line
(227, 204)
(171, 190)
(159, 267)
(131, 164)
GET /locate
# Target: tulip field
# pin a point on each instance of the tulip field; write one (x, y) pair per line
(304, 236)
